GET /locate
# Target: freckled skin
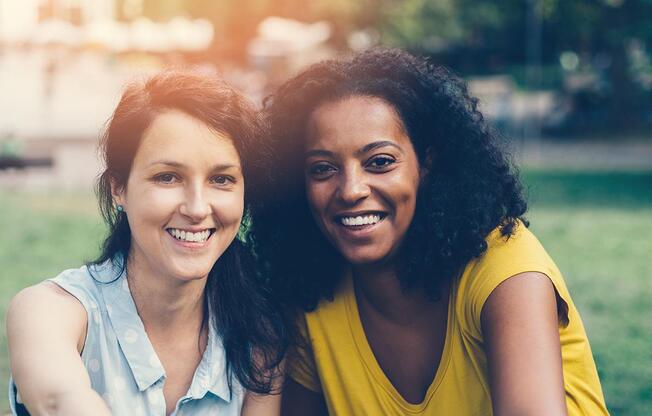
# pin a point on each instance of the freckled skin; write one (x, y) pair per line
(383, 179)
(189, 194)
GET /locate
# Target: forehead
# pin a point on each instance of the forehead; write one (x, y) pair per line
(354, 121)
(175, 134)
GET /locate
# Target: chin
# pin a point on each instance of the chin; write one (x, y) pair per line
(190, 272)
(187, 276)
(362, 257)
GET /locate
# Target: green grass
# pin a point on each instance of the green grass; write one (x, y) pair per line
(40, 235)
(597, 227)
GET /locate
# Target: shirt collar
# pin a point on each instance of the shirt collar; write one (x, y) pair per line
(129, 329)
(210, 375)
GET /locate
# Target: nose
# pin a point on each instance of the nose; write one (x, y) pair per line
(352, 187)
(195, 206)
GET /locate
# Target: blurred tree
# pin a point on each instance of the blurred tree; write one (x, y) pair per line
(347, 16)
(470, 35)
(608, 28)
(473, 36)
(423, 24)
(236, 22)
(478, 35)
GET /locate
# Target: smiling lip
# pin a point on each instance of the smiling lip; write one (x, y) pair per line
(359, 224)
(191, 238)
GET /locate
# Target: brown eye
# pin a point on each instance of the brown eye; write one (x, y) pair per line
(166, 178)
(381, 162)
(222, 180)
(321, 170)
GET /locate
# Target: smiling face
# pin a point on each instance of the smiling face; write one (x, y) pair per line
(184, 198)
(362, 177)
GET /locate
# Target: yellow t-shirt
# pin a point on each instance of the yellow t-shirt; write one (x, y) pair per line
(339, 362)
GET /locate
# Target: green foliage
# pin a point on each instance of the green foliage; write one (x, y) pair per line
(603, 23)
(552, 77)
(581, 25)
(474, 35)
(432, 26)
(418, 23)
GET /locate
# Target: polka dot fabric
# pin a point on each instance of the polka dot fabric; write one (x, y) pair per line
(121, 362)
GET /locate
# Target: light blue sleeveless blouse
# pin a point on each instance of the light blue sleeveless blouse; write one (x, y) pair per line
(121, 362)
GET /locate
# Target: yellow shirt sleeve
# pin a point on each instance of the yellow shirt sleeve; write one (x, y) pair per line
(504, 258)
(301, 361)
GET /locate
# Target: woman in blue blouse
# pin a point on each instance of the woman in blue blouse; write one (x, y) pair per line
(170, 319)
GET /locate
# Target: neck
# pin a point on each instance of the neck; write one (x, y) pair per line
(165, 305)
(378, 290)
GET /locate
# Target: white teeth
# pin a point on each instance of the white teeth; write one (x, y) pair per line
(360, 220)
(199, 237)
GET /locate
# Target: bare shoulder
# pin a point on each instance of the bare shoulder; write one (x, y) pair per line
(45, 296)
(527, 284)
(46, 330)
(46, 305)
(528, 294)
(520, 328)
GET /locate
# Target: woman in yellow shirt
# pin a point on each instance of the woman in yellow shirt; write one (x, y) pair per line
(394, 226)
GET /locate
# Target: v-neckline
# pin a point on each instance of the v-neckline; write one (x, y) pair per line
(370, 361)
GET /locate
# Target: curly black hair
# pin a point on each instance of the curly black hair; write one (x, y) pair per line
(470, 187)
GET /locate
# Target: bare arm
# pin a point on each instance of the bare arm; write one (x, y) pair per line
(261, 405)
(520, 328)
(298, 400)
(266, 404)
(46, 327)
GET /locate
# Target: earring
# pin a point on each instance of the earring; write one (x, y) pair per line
(120, 208)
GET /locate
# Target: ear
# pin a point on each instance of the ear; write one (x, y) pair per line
(118, 193)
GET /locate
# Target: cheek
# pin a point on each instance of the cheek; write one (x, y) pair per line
(317, 194)
(166, 199)
(152, 205)
(229, 208)
(404, 191)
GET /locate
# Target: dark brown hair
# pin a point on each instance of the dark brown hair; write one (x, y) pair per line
(241, 306)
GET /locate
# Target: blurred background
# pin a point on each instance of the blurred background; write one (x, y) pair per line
(567, 83)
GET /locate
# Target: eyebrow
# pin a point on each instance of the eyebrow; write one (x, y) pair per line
(363, 150)
(174, 164)
(379, 144)
(319, 152)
